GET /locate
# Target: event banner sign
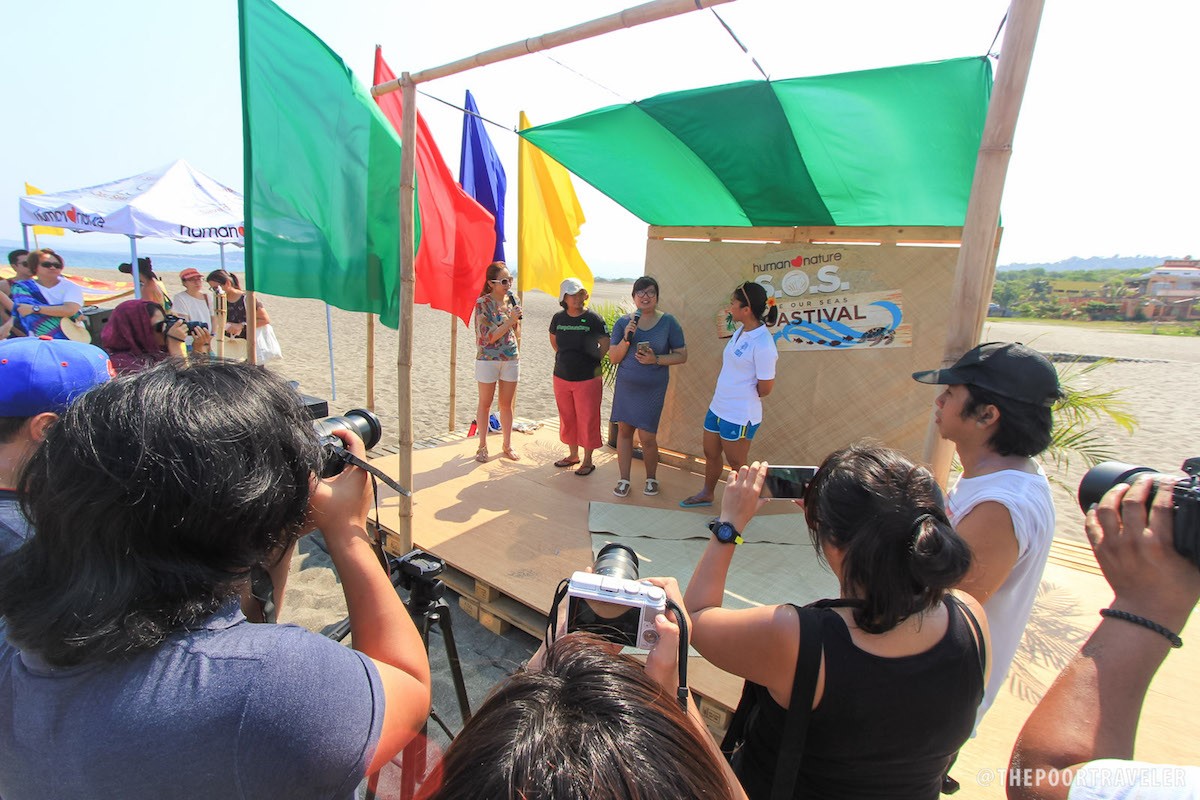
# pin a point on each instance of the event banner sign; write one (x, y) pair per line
(826, 303)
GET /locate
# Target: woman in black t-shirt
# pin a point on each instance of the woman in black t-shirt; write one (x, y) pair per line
(580, 342)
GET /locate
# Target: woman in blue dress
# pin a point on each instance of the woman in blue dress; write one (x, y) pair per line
(644, 345)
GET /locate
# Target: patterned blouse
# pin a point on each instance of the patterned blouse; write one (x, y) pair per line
(488, 317)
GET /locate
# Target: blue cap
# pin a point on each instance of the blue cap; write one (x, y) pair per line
(39, 375)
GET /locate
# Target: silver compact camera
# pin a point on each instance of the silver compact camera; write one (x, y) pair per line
(612, 603)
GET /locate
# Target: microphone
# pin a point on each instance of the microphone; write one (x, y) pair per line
(512, 301)
(632, 326)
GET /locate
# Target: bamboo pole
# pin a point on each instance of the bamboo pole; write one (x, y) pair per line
(371, 363)
(407, 84)
(453, 367)
(972, 281)
(251, 328)
(408, 161)
(630, 17)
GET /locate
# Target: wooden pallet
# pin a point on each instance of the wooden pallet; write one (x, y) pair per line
(1074, 555)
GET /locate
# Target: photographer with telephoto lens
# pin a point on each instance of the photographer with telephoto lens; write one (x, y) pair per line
(129, 669)
(1078, 742)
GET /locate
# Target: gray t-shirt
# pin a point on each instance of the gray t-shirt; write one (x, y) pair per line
(231, 710)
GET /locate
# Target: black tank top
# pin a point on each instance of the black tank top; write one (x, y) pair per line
(886, 728)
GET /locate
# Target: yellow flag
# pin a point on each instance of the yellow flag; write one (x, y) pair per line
(43, 230)
(548, 223)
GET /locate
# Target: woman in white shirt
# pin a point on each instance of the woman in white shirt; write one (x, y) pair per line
(747, 376)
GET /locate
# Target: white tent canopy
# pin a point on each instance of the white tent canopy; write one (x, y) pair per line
(175, 201)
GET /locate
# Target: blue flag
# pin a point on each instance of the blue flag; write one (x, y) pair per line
(480, 171)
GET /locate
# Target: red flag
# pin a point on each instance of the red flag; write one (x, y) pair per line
(458, 235)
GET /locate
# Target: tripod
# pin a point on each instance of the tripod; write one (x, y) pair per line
(416, 572)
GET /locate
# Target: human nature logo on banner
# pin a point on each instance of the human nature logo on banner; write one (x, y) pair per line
(819, 308)
(221, 232)
(70, 218)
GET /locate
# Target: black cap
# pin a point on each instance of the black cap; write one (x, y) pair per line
(144, 268)
(1009, 369)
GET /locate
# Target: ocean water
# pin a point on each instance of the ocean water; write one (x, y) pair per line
(205, 260)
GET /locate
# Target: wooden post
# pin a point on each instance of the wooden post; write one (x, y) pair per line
(453, 368)
(218, 318)
(630, 17)
(976, 256)
(371, 363)
(251, 328)
(408, 200)
(407, 84)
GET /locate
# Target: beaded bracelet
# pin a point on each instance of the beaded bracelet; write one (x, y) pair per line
(1115, 613)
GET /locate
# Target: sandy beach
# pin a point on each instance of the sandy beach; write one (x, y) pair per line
(1158, 376)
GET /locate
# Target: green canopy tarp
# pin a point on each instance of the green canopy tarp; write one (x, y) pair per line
(886, 147)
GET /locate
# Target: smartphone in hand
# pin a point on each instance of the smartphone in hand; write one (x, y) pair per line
(787, 482)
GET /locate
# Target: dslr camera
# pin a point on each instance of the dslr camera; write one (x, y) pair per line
(611, 602)
(1185, 498)
(170, 319)
(357, 420)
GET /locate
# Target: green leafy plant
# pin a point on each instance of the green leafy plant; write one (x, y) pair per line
(1076, 416)
(610, 312)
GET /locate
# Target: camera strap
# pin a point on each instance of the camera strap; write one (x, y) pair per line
(354, 460)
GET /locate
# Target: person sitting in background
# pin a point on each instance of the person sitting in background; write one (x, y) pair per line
(235, 309)
(897, 664)
(129, 670)
(193, 303)
(152, 288)
(584, 723)
(43, 301)
(996, 409)
(137, 336)
(1078, 742)
(579, 339)
(9, 324)
(38, 379)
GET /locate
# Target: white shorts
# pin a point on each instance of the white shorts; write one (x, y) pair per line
(492, 371)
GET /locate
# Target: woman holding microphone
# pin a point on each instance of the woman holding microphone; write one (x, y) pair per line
(497, 323)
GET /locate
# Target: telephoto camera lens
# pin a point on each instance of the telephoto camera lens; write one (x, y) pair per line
(358, 420)
(616, 561)
(1102, 477)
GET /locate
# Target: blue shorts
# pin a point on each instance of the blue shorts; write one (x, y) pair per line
(729, 431)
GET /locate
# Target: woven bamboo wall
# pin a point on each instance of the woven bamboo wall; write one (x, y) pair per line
(825, 397)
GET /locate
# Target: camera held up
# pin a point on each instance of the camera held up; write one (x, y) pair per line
(357, 420)
(1185, 498)
(611, 602)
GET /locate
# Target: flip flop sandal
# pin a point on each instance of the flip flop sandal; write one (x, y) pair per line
(566, 462)
(692, 502)
(585, 470)
(510, 454)
(481, 455)
(622, 488)
(651, 487)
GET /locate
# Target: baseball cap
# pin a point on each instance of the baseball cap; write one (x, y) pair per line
(44, 374)
(569, 286)
(1009, 369)
(144, 267)
(190, 272)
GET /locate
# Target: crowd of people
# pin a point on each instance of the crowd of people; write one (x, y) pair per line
(133, 509)
(38, 301)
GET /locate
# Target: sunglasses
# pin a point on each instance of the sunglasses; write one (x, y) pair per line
(646, 293)
(50, 265)
(502, 281)
(160, 326)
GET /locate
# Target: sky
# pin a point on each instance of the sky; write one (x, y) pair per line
(1104, 158)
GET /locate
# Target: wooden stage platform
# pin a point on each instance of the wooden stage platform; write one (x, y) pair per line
(510, 531)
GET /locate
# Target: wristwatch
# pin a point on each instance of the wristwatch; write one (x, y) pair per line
(37, 309)
(726, 533)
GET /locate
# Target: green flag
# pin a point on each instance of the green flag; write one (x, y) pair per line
(322, 172)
